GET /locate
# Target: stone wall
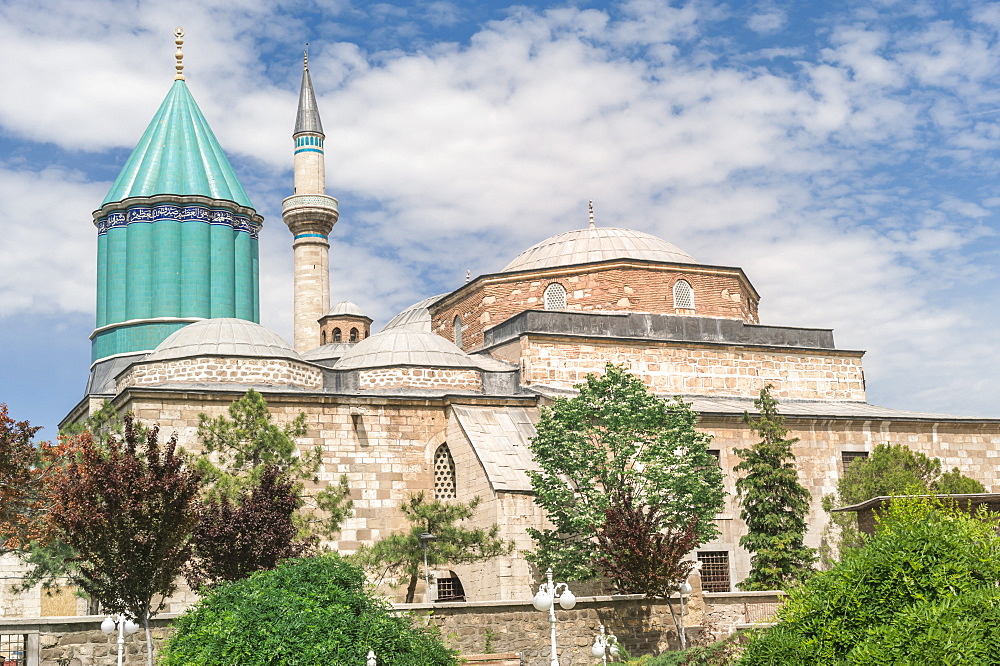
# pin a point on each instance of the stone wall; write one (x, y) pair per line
(615, 286)
(420, 378)
(689, 369)
(643, 626)
(223, 369)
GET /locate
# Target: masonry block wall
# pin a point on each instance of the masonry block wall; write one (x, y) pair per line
(612, 287)
(689, 369)
(253, 371)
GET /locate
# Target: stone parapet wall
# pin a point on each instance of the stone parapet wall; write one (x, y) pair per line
(614, 287)
(223, 369)
(420, 378)
(672, 368)
(643, 626)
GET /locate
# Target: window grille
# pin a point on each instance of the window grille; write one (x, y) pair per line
(715, 453)
(458, 331)
(444, 474)
(683, 295)
(450, 589)
(714, 571)
(555, 297)
(336, 335)
(13, 649)
(354, 335)
(848, 457)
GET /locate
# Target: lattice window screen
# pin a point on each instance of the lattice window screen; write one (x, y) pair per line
(714, 571)
(555, 297)
(444, 474)
(683, 295)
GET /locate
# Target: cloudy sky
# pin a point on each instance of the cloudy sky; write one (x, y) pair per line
(845, 157)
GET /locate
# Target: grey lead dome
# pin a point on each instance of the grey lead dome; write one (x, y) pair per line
(223, 337)
(583, 246)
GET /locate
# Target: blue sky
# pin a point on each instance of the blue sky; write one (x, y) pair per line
(844, 154)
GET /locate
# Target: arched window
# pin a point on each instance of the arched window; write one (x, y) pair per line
(458, 331)
(555, 297)
(444, 474)
(336, 335)
(354, 335)
(322, 337)
(683, 295)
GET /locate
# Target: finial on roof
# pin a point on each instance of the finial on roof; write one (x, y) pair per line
(468, 275)
(305, 57)
(590, 207)
(307, 117)
(179, 41)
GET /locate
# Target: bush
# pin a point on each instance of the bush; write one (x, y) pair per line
(306, 612)
(927, 579)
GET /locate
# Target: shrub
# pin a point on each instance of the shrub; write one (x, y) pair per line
(306, 612)
(930, 571)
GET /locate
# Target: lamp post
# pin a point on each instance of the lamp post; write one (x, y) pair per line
(371, 658)
(424, 537)
(605, 645)
(125, 626)
(547, 593)
(682, 589)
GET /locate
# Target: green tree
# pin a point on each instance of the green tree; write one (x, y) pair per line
(401, 556)
(774, 503)
(305, 612)
(126, 507)
(248, 440)
(892, 469)
(616, 434)
(921, 590)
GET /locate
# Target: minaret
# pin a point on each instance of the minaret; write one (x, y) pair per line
(176, 235)
(310, 216)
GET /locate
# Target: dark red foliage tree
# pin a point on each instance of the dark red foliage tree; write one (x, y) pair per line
(253, 532)
(127, 507)
(25, 468)
(639, 556)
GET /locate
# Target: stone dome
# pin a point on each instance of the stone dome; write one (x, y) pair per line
(223, 337)
(583, 246)
(417, 316)
(411, 347)
(346, 309)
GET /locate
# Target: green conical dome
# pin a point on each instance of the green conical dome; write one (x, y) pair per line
(178, 154)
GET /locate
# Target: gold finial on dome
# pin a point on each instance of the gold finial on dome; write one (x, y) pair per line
(590, 208)
(179, 41)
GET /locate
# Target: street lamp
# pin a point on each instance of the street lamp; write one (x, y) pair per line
(547, 593)
(424, 537)
(371, 658)
(684, 588)
(605, 645)
(125, 626)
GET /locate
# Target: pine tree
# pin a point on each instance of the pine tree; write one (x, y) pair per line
(774, 503)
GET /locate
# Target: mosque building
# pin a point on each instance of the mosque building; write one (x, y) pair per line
(443, 399)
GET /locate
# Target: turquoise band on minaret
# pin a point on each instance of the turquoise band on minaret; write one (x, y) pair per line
(176, 235)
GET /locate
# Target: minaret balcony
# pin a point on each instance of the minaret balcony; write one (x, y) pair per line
(309, 209)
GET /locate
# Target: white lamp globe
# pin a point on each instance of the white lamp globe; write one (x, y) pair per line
(567, 600)
(131, 627)
(542, 601)
(685, 588)
(598, 649)
(613, 650)
(108, 626)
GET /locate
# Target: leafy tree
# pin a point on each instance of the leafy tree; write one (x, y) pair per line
(892, 469)
(774, 503)
(248, 440)
(615, 434)
(127, 509)
(401, 555)
(921, 590)
(252, 532)
(306, 612)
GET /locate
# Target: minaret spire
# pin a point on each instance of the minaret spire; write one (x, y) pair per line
(310, 215)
